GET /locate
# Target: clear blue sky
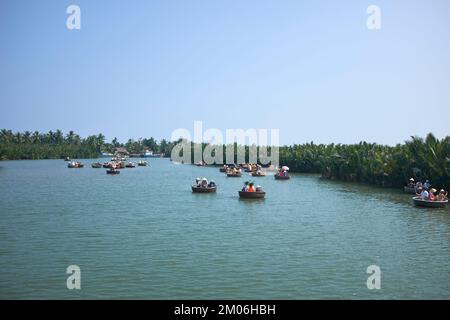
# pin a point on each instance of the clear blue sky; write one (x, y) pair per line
(310, 68)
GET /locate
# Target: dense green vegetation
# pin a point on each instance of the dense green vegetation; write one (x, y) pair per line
(55, 145)
(371, 163)
(427, 158)
(382, 165)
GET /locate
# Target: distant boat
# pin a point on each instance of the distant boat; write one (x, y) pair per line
(234, 175)
(130, 165)
(75, 164)
(96, 165)
(142, 163)
(112, 171)
(279, 177)
(258, 174)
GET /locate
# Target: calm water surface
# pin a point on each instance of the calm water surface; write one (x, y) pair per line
(143, 234)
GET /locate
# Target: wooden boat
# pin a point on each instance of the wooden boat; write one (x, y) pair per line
(130, 165)
(418, 201)
(234, 175)
(278, 177)
(203, 189)
(258, 174)
(252, 195)
(96, 165)
(112, 171)
(75, 165)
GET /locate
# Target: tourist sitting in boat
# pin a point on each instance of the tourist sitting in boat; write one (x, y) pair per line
(204, 183)
(245, 187)
(431, 194)
(250, 188)
(442, 196)
(211, 184)
(424, 194)
(419, 185)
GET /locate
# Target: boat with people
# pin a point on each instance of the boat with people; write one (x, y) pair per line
(142, 163)
(203, 186)
(283, 174)
(252, 195)
(96, 165)
(412, 187)
(431, 198)
(250, 191)
(251, 168)
(75, 164)
(236, 174)
(112, 171)
(130, 165)
(258, 173)
(420, 202)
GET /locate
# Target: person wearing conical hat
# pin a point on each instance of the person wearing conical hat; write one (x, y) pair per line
(431, 194)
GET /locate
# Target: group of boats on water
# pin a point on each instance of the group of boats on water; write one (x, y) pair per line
(426, 195)
(255, 170)
(113, 167)
(249, 190)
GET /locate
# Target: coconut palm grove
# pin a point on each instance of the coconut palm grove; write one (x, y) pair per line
(371, 163)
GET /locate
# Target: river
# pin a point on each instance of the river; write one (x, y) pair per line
(143, 234)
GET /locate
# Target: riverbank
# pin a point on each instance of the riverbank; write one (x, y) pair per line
(388, 166)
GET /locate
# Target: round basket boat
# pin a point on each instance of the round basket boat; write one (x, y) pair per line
(278, 177)
(96, 165)
(255, 174)
(112, 171)
(418, 201)
(234, 175)
(252, 195)
(203, 189)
